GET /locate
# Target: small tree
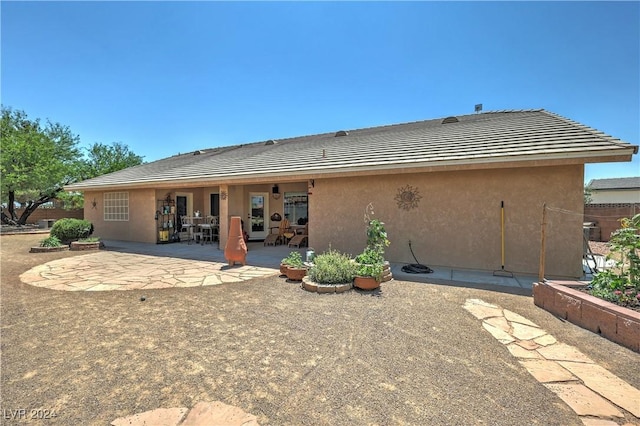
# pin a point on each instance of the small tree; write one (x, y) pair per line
(37, 161)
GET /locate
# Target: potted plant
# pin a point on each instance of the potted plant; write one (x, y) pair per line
(331, 272)
(371, 263)
(295, 267)
(369, 269)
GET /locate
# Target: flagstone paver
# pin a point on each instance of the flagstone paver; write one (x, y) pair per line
(202, 414)
(562, 352)
(593, 392)
(107, 271)
(526, 332)
(520, 352)
(583, 400)
(159, 417)
(547, 371)
(606, 384)
(513, 317)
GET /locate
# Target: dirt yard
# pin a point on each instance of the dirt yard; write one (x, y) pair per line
(408, 355)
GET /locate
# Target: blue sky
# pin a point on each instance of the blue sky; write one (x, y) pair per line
(170, 77)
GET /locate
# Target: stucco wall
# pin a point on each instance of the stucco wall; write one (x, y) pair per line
(607, 218)
(141, 225)
(604, 196)
(457, 221)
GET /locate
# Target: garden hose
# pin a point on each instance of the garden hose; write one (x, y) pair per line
(416, 268)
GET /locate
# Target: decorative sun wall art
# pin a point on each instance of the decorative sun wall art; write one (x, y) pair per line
(408, 197)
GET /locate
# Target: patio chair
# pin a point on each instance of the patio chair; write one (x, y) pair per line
(186, 227)
(273, 238)
(285, 232)
(300, 239)
(208, 229)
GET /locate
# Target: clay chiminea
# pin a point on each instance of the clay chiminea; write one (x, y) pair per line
(235, 250)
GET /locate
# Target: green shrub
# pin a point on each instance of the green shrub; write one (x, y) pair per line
(89, 240)
(67, 230)
(621, 284)
(50, 241)
(370, 264)
(294, 259)
(332, 267)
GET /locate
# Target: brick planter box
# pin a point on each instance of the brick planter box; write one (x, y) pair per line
(78, 246)
(48, 249)
(309, 285)
(618, 324)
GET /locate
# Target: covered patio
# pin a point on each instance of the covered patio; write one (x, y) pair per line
(263, 256)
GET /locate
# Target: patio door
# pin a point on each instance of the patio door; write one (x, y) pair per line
(258, 211)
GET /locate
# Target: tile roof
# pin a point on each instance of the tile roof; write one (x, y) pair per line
(488, 137)
(616, 183)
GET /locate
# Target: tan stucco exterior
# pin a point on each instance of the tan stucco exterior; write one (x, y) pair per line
(457, 221)
(141, 225)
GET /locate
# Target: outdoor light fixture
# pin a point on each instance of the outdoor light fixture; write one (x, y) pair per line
(275, 192)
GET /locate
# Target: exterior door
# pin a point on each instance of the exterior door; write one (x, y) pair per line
(258, 220)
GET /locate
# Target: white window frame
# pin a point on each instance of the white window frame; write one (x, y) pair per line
(116, 206)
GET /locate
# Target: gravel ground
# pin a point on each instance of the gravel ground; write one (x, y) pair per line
(409, 354)
(598, 247)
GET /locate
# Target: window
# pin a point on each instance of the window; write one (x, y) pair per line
(116, 206)
(295, 207)
(214, 204)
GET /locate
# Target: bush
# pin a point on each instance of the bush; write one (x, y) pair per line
(294, 259)
(332, 267)
(50, 241)
(622, 284)
(68, 230)
(89, 240)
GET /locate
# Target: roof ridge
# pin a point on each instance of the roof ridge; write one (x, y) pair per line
(383, 126)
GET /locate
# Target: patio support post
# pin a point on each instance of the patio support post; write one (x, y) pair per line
(223, 230)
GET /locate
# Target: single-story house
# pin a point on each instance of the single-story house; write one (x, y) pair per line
(438, 183)
(615, 190)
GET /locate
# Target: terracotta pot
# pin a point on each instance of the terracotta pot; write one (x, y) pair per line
(366, 283)
(283, 269)
(296, 274)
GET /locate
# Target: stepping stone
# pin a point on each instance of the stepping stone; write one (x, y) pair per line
(218, 413)
(547, 371)
(513, 317)
(526, 332)
(607, 384)
(158, 417)
(563, 352)
(483, 311)
(520, 352)
(583, 400)
(545, 340)
(499, 334)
